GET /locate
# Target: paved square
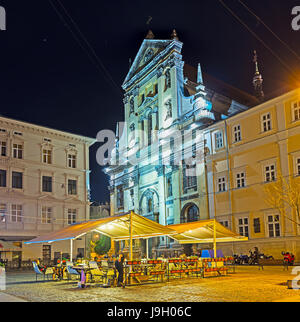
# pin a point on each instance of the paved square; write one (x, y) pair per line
(247, 284)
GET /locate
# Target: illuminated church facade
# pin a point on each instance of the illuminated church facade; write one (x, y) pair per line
(158, 167)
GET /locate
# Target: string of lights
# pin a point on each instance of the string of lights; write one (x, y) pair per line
(269, 29)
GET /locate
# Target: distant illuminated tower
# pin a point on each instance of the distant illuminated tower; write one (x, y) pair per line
(258, 80)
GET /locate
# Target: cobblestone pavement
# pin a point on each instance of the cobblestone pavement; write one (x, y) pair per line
(247, 284)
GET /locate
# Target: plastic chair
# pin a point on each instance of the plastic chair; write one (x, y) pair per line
(95, 271)
(71, 271)
(37, 271)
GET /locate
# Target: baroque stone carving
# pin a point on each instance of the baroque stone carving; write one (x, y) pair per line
(168, 105)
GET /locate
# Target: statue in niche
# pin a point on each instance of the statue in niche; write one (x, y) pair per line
(169, 187)
(131, 106)
(168, 79)
(168, 105)
(150, 206)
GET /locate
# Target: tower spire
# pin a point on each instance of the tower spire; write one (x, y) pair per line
(258, 80)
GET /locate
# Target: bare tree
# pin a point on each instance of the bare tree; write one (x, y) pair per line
(283, 194)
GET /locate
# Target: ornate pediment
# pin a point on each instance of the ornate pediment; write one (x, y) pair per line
(150, 51)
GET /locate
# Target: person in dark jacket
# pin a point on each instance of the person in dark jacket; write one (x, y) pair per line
(119, 267)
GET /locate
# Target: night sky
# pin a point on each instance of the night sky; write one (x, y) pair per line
(47, 78)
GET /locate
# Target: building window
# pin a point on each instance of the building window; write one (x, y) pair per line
(18, 151)
(72, 161)
(18, 133)
(46, 215)
(266, 122)
(237, 133)
(270, 173)
(72, 187)
(274, 226)
(189, 176)
(219, 140)
(256, 224)
(225, 223)
(243, 227)
(296, 111)
(72, 213)
(47, 156)
(47, 184)
(298, 166)
(2, 212)
(17, 180)
(2, 178)
(150, 125)
(16, 213)
(240, 180)
(3, 149)
(222, 184)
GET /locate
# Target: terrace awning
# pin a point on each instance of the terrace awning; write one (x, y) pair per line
(6, 246)
(115, 227)
(205, 231)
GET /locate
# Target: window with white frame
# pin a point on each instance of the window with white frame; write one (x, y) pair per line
(16, 213)
(266, 122)
(72, 161)
(46, 184)
(270, 173)
(17, 180)
(219, 140)
(237, 133)
(225, 223)
(274, 226)
(240, 180)
(3, 212)
(296, 111)
(46, 215)
(3, 147)
(47, 156)
(72, 214)
(222, 184)
(18, 151)
(243, 226)
(72, 187)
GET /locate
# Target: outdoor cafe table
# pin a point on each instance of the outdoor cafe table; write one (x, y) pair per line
(82, 270)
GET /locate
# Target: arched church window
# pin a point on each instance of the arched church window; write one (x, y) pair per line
(192, 214)
(189, 213)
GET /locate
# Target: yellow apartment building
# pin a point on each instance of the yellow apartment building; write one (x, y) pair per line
(246, 153)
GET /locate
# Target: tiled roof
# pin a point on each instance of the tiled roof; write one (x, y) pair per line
(220, 87)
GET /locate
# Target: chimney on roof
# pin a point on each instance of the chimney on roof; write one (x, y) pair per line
(150, 35)
(174, 35)
(258, 80)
